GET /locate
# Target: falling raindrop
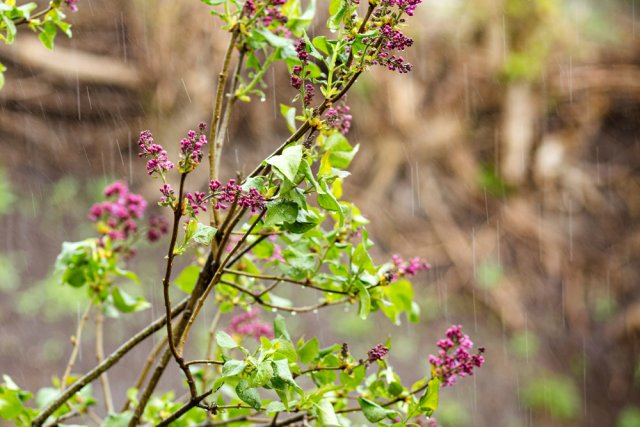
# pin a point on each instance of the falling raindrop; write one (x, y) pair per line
(315, 311)
(293, 313)
(274, 310)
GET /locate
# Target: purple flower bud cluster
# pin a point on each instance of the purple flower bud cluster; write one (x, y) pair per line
(394, 39)
(249, 8)
(296, 80)
(117, 217)
(71, 4)
(228, 193)
(377, 353)
(408, 268)
(406, 6)
(197, 201)
(339, 118)
(168, 195)
(391, 38)
(453, 358)
(301, 50)
(191, 149)
(309, 93)
(158, 161)
(273, 14)
(249, 324)
(158, 227)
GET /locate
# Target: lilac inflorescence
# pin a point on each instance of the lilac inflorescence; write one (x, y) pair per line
(158, 161)
(231, 192)
(158, 227)
(394, 39)
(309, 93)
(197, 202)
(249, 324)
(377, 353)
(339, 118)
(191, 149)
(454, 358)
(117, 217)
(71, 4)
(407, 6)
(407, 268)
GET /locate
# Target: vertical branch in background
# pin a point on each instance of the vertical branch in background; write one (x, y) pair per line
(221, 133)
(104, 379)
(217, 112)
(153, 355)
(75, 342)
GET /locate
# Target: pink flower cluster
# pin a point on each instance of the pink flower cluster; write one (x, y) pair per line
(406, 6)
(158, 227)
(377, 353)
(231, 191)
(453, 358)
(394, 39)
(197, 202)
(117, 216)
(249, 324)
(339, 118)
(191, 149)
(71, 4)
(407, 268)
(158, 161)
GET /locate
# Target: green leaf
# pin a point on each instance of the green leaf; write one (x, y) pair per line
(272, 39)
(287, 163)
(248, 394)
(429, 401)
(48, 35)
(365, 299)
(233, 367)
(326, 413)
(280, 328)
(224, 340)
(128, 274)
(275, 406)
(289, 114)
(187, 278)
(262, 374)
(127, 303)
(281, 211)
(282, 372)
(10, 404)
(117, 420)
(204, 234)
(309, 351)
(374, 412)
(336, 17)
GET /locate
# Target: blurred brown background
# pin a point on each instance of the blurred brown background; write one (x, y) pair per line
(509, 158)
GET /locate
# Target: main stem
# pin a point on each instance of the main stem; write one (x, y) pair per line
(177, 214)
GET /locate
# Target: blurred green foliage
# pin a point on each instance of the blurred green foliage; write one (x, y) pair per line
(558, 396)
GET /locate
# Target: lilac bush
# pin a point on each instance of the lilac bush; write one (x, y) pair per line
(283, 225)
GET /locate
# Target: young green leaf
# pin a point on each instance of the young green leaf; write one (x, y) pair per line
(287, 163)
(224, 340)
(248, 394)
(374, 412)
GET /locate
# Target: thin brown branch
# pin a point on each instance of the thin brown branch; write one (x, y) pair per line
(75, 342)
(108, 362)
(104, 379)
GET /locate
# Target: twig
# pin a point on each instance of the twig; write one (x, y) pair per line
(204, 362)
(75, 342)
(306, 283)
(303, 309)
(177, 214)
(111, 360)
(104, 379)
(193, 402)
(146, 368)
